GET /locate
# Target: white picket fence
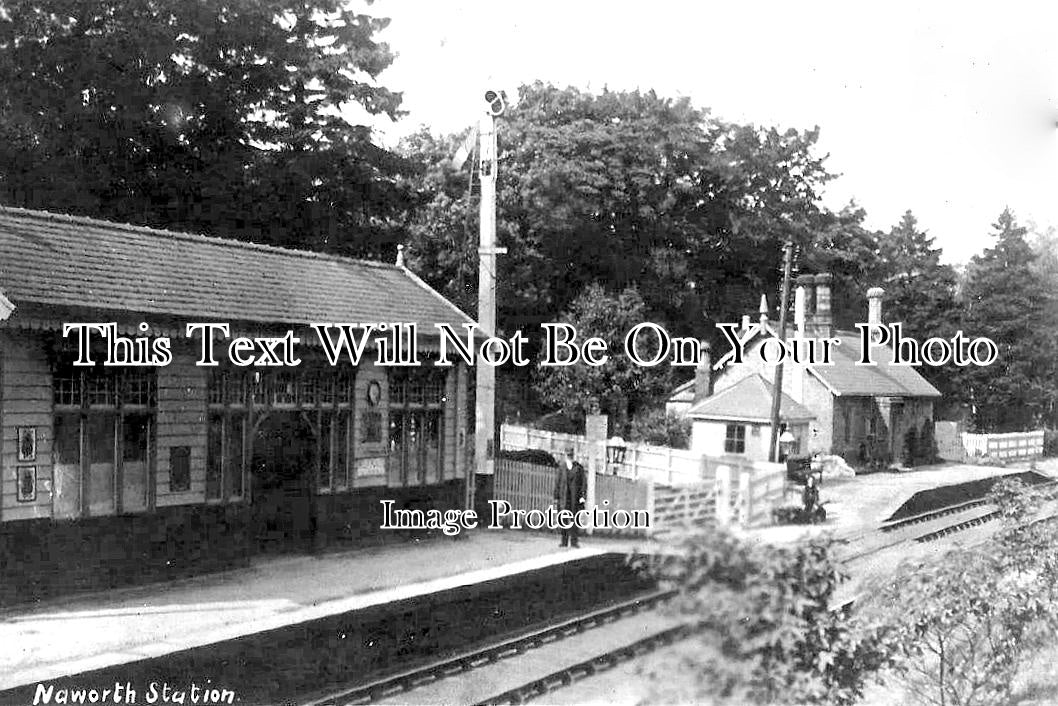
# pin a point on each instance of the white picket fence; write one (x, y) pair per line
(680, 490)
(1028, 444)
(641, 461)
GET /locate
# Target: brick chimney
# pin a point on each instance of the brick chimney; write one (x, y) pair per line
(703, 375)
(874, 305)
(821, 321)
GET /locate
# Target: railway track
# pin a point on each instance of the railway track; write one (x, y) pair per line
(968, 514)
(393, 685)
(964, 516)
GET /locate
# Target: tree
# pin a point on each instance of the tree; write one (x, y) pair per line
(843, 247)
(620, 386)
(963, 625)
(627, 188)
(661, 428)
(920, 294)
(196, 115)
(770, 635)
(1045, 247)
(1003, 302)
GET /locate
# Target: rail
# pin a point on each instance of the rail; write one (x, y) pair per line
(489, 653)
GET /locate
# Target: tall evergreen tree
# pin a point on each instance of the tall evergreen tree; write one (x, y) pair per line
(1004, 301)
(1045, 246)
(198, 115)
(921, 295)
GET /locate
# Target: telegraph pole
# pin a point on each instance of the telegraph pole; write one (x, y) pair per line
(485, 388)
(784, 305)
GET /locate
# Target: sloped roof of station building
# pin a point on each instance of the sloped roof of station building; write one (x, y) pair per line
(883, 379)
(75, 262)
(749, 399)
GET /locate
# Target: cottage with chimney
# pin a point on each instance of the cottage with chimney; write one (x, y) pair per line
(862, 413)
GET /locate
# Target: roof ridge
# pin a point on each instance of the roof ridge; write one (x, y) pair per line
(184, 235)
(440, 297)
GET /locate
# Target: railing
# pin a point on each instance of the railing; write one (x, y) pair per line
(1028, 444)
(742, 493)
(641, 461)
(683, 508)
(526, 486)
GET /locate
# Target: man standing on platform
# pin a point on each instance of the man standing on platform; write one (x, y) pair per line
(570, 487)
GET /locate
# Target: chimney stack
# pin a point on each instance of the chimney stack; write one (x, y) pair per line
(874, 305)
(703, 375)
(822, 318)
(807, 285)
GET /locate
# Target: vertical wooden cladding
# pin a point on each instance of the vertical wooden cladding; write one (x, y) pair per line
(181, 423)
(26, 398)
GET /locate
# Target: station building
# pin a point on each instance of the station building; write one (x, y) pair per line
(863, 413)
(120, 474)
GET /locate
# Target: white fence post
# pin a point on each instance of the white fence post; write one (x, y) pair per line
(723, 495)
(650, 507)
(745, 497)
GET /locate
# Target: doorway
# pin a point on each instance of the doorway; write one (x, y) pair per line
(282, 470)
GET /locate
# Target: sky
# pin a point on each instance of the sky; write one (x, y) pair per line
(947, 109)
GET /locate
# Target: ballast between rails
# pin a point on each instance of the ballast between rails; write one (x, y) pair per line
(588, 668)
(490, 653)
(921, 518)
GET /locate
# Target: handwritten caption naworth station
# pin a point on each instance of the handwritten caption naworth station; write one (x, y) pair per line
(397, 344)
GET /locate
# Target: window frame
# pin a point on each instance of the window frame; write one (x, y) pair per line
(733, 441)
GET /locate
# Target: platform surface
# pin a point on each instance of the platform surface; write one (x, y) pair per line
(862, 503)
(70, 636)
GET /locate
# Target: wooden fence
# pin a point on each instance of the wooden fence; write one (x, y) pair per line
(1028, 444)
(526, 486)
(641, 461)
(955, 446)
(742, 492)
(683, 508)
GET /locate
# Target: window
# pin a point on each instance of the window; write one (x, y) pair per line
(322, 391)
(102, 429)
(341, 461)
(735, 439)
(416, 423)
(214, 456)
(225, 468)
(326, 440)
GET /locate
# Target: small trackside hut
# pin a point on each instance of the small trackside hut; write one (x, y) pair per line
(117, 474)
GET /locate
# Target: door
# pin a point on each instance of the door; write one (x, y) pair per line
(284, 462)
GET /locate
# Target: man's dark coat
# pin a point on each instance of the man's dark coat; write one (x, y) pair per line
(570, 487)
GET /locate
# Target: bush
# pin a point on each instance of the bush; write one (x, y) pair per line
(963, 626)
(770, 634)
(661, 429)
(910, 447)
(927, 444)
(1050, 443)
(537, 456)
(562, 422)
